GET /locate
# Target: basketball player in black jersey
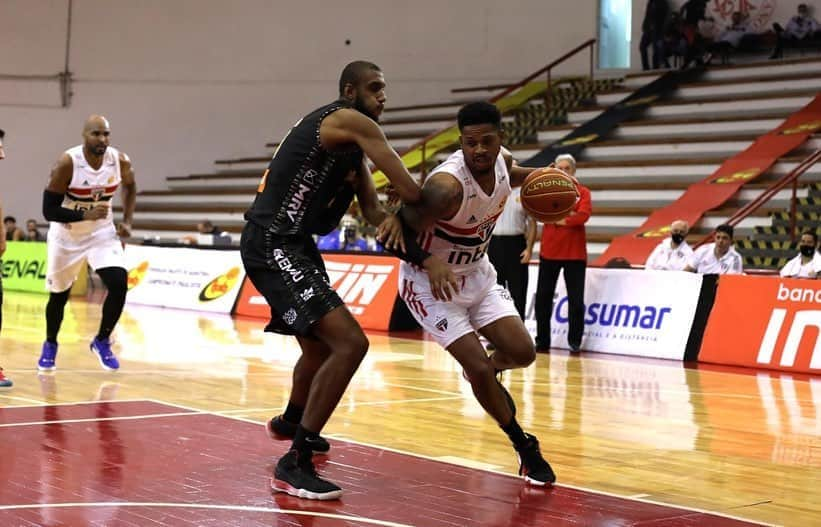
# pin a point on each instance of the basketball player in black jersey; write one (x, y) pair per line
(308, 186)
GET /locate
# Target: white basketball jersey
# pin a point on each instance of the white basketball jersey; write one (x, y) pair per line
(462, 240)
(90, 187)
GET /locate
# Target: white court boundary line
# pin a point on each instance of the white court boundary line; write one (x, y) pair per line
(197, 412)
(574, 487)
(242, 508)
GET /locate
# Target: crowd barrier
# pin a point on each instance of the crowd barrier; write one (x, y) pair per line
(754, 321)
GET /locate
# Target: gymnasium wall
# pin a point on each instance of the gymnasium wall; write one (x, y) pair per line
(186, 82)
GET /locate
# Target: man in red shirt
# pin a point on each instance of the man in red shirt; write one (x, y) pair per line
(564, 246)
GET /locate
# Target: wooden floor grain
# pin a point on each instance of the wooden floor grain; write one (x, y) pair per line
(741, 443)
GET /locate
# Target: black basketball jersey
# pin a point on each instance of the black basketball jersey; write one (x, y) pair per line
(304, 188)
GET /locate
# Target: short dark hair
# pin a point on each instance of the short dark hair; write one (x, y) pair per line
(480, 112)
(726, 228)
(2, 133)
(810, 232)
(354, 71)
(9, 218)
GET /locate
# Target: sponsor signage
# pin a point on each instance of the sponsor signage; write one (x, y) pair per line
(781, 324)
(198, 279)
(367, 285)
(627, 312)
(24, 269)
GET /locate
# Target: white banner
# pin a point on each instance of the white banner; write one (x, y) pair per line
(198, 279)
(627, 311)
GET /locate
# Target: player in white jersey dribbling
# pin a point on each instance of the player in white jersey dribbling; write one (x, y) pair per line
(77, 202)
(462, 199)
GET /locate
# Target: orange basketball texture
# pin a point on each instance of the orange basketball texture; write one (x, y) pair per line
(549, 194)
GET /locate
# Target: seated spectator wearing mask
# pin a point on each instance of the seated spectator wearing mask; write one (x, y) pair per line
(807, 263)
(802, 29)
(719, 257)
(351, 241)
(673, 253)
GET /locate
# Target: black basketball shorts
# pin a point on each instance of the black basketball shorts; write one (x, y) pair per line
(289, 272)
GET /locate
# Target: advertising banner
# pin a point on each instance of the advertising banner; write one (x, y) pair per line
(627, 312)
(198, 279)
(24, 269)
(367, 284)
(765, 322)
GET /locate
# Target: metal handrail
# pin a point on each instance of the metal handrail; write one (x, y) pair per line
(761, 199)
(422, 143)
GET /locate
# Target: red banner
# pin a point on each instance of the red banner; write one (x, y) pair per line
(367, 284)
(765, 322)
(719, 187)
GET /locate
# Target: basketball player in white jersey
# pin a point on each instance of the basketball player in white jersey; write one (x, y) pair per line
(463, 198)
(77, 202)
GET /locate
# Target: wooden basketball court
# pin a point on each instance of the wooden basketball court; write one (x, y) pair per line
(175, 437)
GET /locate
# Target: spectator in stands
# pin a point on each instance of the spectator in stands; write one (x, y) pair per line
(5, 382)
(802, 30)
(807, 263)
(511, 247)
(618, 262)
(564, 247)
(692, 13)
(673, 43)
(33, 234)
(208, 234)
(673, 253)
(652, 32)
(351, 240)
(719, 257)
(13, 232)
(736, 36)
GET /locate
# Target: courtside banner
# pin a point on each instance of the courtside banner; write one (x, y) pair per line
(627, 312)
(716, 189)
(198, 279)
(765, 322)
(24, 267)
(367, 284)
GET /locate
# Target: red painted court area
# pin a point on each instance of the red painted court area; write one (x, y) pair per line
(142, 463)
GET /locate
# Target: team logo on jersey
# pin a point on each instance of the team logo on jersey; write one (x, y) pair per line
(220, 285)
(485, 229)
(442, 324)
(137, 274)
(97, 193)
(472, 219)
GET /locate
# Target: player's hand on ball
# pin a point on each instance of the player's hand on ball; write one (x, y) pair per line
(97, 212)
(443, 283)
(389, 233)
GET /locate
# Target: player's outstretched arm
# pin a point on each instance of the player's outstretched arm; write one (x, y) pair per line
(351, 126)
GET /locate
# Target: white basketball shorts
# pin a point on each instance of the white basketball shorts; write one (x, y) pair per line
(479, 302)
(68, 252)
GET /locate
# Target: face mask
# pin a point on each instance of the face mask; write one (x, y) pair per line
(677, 238)
(807, 250)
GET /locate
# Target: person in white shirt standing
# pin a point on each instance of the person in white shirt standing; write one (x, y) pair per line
(673, 253)
(719, 257)
(807, 263)
(511, 247)
(77, 202)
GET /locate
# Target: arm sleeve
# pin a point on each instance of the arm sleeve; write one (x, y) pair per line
(53, 209)
(651, 260)
(413, 252)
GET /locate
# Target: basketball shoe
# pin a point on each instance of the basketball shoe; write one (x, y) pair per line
(47, 357)
(295, 475)
(5, 382)
(532, 466)
(278, 427)
(102, 349)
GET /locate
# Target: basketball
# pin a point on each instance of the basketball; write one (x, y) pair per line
(549, 194)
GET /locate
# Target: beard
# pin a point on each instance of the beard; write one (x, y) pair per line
(359, 105)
